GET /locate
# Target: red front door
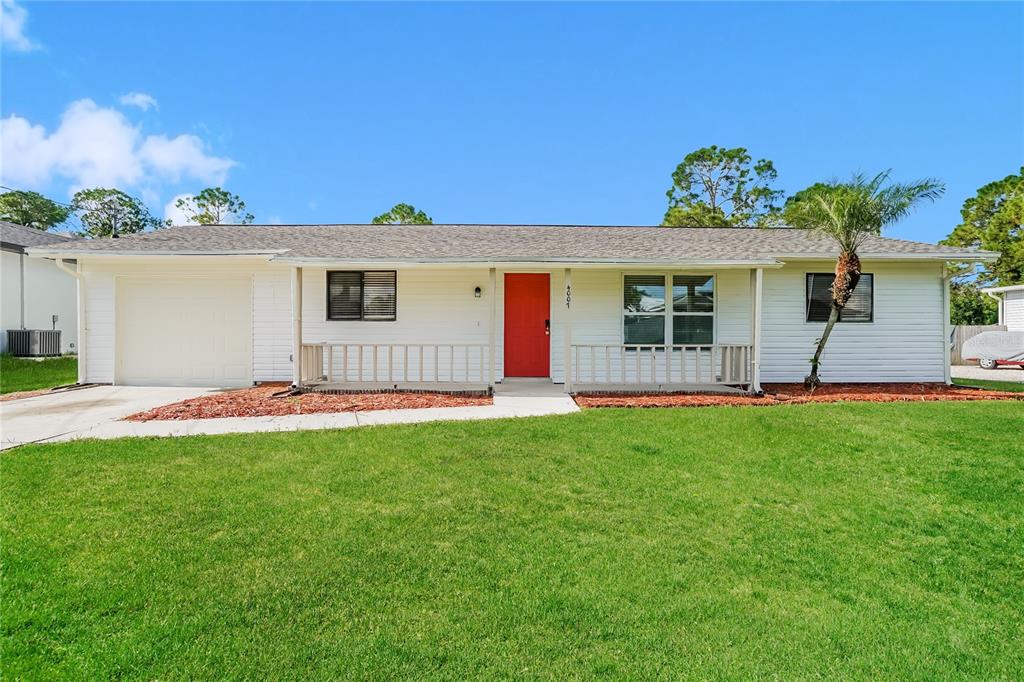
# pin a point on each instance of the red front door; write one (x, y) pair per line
(527, 325)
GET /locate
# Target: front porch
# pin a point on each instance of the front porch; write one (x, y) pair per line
(465, 368)
(454, 332)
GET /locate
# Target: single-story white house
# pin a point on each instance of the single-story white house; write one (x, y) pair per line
(37, 294)
(1011, 306)
(463, 307)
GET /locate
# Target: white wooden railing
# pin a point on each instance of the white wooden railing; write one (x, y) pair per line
(396, 363)
(714, 364)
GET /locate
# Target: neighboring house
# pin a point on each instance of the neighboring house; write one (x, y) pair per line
(36, 290)
(1011, 306)
(465, 306)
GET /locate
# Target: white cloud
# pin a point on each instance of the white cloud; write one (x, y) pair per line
(97, 146)
(12, 27)
(140, 100)
(175, 214)
(184, 155)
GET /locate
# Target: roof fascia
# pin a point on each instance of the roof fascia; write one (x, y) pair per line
(47, 252)
(1000, 290)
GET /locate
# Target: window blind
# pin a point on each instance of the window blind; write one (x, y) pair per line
(344, 295)
(379, 295)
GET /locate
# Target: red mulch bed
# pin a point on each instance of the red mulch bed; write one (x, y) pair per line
(260, 402)
(18, 395)
(778, 394)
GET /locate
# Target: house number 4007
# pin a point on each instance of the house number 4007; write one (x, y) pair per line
(568, 295)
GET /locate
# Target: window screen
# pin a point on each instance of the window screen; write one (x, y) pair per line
(693, 307)
(643, 308)
(354, 295)
(644, 294)
(819, 298)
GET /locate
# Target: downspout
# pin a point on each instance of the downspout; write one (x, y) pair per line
(1000, 302)
(21, 287)
(82, 327)
(296, 328)
(757, 306)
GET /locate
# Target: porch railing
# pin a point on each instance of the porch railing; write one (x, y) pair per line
(396, 363)
(660, 365)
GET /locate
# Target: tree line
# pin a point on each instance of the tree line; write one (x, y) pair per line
(108, 212)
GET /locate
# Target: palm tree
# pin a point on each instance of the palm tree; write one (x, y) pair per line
(850, 212)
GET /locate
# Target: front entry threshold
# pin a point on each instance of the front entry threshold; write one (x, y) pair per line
(541, 387)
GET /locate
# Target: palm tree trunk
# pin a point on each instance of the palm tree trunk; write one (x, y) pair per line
(812, 381)
(846, 279)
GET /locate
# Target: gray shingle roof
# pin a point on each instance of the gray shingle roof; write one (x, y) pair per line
(494, 243)
(16, 237)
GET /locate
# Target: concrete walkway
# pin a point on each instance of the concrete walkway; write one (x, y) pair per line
(526, 398)
(1015, 374)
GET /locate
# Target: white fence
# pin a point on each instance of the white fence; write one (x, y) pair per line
(714, 364)
(361, 363)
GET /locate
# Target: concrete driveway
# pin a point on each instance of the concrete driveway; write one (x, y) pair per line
(975, 372)
(43, 417)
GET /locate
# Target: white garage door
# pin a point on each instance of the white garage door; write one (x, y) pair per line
(184, 332)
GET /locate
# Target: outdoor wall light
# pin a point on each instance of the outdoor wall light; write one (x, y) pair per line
(477, 292)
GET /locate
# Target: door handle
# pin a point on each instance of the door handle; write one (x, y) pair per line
(547, 327)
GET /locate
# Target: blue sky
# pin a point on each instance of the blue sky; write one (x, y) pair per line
(507, 113)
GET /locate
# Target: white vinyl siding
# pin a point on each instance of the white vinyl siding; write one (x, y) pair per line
(903, 343)
(272, 325)
(99, 320)
(1013, 311)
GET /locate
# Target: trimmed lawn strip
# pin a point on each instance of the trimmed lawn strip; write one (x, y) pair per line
(21, 374)
(858, 541)
(1011, 386)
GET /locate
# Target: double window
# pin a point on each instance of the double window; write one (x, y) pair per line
(819, 298)
(361, 295)
(688, 318)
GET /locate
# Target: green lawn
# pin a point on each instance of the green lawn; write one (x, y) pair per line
(832, 541)
(21, 374)
(1015, 386)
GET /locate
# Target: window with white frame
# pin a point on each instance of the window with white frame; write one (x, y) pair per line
(359, 295)
(648, 321)
(693, 309)
(860, 307)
